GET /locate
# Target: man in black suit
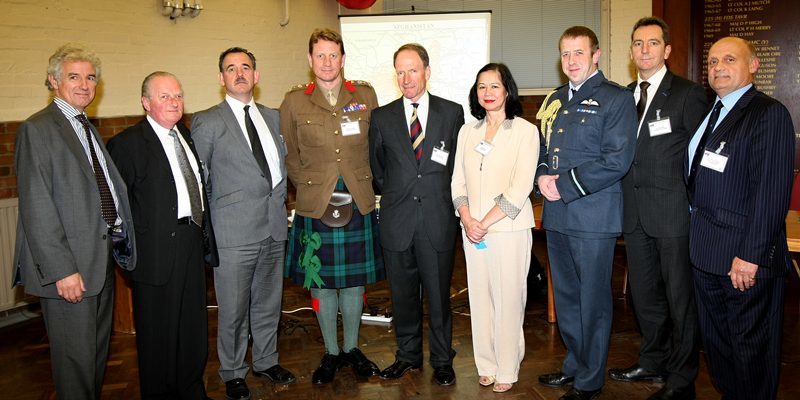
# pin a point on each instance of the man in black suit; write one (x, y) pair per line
(157, 160)
(412, 147)
(740, 164)
(656, 218)
(72, 204)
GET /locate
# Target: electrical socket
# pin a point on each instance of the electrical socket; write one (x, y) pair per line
(376, 319)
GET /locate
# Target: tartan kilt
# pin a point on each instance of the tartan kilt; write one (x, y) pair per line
(350, 255)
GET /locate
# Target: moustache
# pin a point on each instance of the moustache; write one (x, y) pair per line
(241, 80)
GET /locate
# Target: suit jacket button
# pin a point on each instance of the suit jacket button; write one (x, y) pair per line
(308, 183)
(336, 132)
(103, 237)
(308, 122)
(338, 151)
(172, 234)
(566, 112)
(416, 198)
(338, 160)
(419, 176)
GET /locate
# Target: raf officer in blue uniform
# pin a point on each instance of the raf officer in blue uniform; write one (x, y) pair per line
(589, 126)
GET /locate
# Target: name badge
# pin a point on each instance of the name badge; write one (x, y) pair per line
(440, 155)
(484, 147)
(659, 126)
(350, 128)
(715, 159)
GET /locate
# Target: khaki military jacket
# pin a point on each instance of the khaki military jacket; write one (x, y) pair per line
(320, 149)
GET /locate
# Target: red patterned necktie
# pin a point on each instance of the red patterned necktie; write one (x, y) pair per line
(415, 130)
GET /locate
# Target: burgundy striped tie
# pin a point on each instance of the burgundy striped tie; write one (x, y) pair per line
(415, 130)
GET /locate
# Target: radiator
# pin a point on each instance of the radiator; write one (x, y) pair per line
(9, 297)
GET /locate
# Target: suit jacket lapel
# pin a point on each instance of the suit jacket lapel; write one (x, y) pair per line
(433, 130)
(657, 103)
(70, 137)
(733, 116)
(403, 139)
(232, 125)
(276, 138)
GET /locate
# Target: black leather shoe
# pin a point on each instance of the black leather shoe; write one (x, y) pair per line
(556, 380)
(634, 374)
(276, 374)
(326, 370)
(360, 363)
(682, 393)
(236, 389)
(444, 375)
(397, 369)
(577, 394)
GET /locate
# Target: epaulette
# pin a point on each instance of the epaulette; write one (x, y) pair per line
(302, 86)
(360, 83)
(615, 85)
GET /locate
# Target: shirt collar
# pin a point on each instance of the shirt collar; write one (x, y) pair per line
(654, 80)
(68, 110)
(159, 130)
(577, 88)
(237, 105)
(505, 125)
(733, 97)
(423, 101)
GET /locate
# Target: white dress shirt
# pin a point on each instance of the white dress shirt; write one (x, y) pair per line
(168, 143)
(264, 134)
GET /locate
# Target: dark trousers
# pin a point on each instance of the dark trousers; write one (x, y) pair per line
(418, 268)
(79, 336)
(662, 288)
(742, 334)
(581, 270)
(172, 325)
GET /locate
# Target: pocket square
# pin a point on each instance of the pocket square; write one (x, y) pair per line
(590, 102)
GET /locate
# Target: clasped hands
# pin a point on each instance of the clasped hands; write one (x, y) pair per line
(71, 288)
(474, 229)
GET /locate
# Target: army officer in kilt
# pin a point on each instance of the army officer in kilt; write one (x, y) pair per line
(333, 245)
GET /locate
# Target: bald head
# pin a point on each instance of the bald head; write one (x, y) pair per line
(732, 62)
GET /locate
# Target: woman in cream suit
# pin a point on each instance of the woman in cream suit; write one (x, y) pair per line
(495, 166)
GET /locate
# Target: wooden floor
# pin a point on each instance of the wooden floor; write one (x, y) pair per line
(25, 366)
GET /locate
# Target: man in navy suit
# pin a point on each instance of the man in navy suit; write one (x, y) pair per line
(656, 218)
(740, 163)
(417, 221)
(163, 175)
(590, 136)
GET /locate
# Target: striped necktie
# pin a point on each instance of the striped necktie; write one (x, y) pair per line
(189, 178)
(415, 130)
(107, 207)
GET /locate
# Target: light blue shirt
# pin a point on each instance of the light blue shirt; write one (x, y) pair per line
(727, 104)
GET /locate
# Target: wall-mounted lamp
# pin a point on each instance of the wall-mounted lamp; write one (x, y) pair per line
(175, 8)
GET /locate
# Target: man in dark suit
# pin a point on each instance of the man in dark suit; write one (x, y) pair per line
(412, 147)
(590, 136)
(740, 163)
(242, 153)
(158, 162)
(656, 218)
(72, 206)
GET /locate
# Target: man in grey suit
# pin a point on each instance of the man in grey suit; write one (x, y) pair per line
(239, 144)
(73, 206)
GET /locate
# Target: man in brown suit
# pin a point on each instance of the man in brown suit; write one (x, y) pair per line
(325, 124)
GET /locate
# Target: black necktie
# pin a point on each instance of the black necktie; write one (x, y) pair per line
(189, 178)
(701, 145)
(574, 92)
(642, 104)
(255, 145)
(107, 207)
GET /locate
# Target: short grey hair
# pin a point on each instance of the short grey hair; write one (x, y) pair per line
(70, 52)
